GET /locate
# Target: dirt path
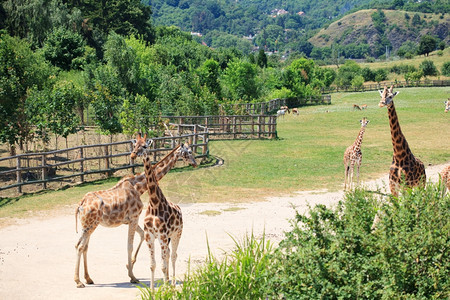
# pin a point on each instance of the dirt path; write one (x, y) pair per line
(37, 256)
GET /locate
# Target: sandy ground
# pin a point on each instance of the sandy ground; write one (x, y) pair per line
(37, 256)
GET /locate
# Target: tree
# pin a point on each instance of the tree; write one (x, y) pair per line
(20, 70)
(428, 68)
(427, 44)
(446, 69)
(262, 59)
(347, 72)
(60, 109)
(209, 76)
(64, 48)
(240, 79)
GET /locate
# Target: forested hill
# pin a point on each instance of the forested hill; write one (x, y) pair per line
(278, 25)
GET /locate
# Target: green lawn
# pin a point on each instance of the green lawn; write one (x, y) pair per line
(307, 156)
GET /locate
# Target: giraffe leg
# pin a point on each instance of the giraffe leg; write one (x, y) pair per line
(357, 173)
(132, 228)
(81, 248)
(86, 273)
(346, 174)
(165, 254)
(352, 169)
(150, 238)
(141, 234)
(175, 242)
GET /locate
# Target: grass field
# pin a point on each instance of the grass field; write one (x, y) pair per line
(307, 156)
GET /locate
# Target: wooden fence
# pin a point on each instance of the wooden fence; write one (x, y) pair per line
(25, 171)
(270, 107)
(233, 126)
(380, 86)
(84, 161)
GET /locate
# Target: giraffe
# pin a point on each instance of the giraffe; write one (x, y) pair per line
(447, 105)
(109, 208)
(163, 220)
(90, 207)
(445, 175)
(405, 166)
(353, 155)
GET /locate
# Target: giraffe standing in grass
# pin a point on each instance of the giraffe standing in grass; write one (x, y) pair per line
(353, 156)
(163, 219)
(405, 168)
(95, 208)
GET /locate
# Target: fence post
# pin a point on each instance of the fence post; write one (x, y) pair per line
(82, 164)
(19, 175)
(194, 148)
(44, 171)
(205, 141)
(234, 127)
(108, 172)
(259, 127)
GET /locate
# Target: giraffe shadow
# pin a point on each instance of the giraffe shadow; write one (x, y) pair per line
(128, 285)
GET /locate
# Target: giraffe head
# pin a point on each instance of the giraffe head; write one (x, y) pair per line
(139, 146)
(447, 105)
(364, 122)
(187, 154)
(387, 96)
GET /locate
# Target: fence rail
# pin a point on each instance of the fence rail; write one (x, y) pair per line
(271, 106)
(380, 86)
(84, 161)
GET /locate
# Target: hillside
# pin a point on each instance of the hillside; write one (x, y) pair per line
(400, 26)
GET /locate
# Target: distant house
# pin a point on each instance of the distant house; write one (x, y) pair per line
(278, 12)
(196, 33)
(301, 13)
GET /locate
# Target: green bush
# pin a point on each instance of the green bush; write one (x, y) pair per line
(334, 254)
(446, 69)
(240, 275)
(428, 68)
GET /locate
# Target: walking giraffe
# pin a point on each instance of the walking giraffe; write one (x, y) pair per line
(163, 219)
(405, 168)
(353, 156)
(95, 208)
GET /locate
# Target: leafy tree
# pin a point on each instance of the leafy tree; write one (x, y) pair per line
(60, 109)
(262, 59)
(137, 115)
(64, 49)
(20, 70)
(428, 68)
(380, 75)
(347, 72)
(123, 59)
(427, 44)
(209, 74)
(240, 79)
(407, 47)
(416, 20)
(368, 74)
(446, 69)
(379, 20)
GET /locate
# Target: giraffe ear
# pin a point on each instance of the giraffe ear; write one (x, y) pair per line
(381, 93)
(145, 136)
(395, 94)
(139, 135)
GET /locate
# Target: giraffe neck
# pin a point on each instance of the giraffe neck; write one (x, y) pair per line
(166, 164)
(358, 141)
(154, 191)
(399, 143)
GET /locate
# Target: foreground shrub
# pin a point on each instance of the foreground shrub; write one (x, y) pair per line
(240, 275)
(334, 254)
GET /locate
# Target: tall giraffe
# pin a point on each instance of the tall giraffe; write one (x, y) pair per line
(405, 168)
(109, 208)
(92, 209)
(353, 156)
(163, 221)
